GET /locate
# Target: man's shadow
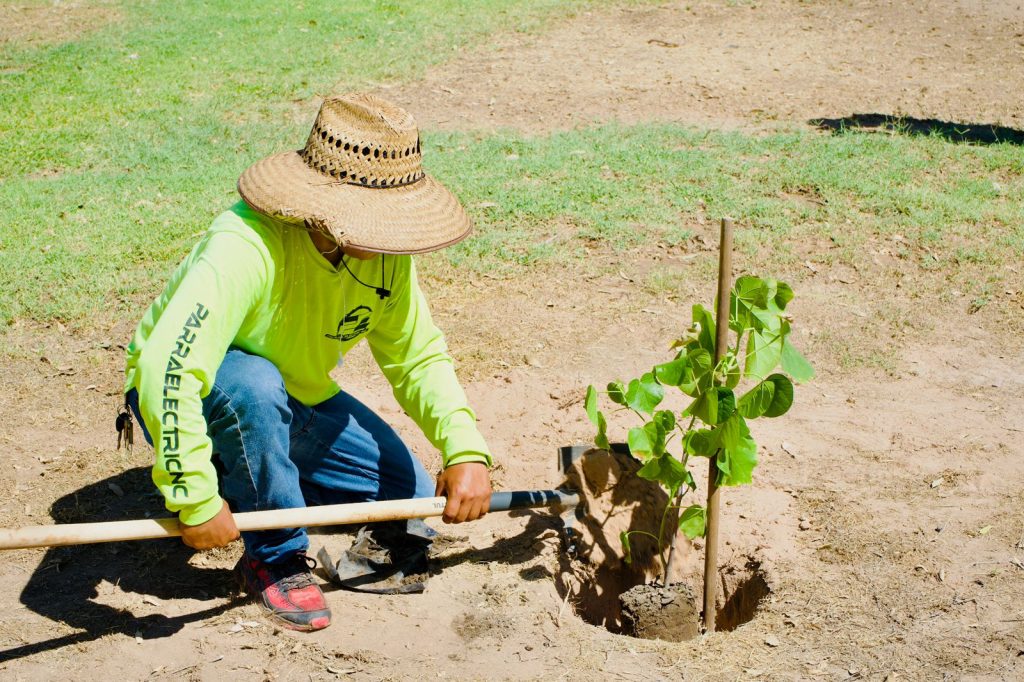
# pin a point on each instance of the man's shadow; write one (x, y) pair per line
(67, 582)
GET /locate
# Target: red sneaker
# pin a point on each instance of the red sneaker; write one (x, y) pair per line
(287, 590)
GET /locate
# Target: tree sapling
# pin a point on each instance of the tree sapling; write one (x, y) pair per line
(714, 424)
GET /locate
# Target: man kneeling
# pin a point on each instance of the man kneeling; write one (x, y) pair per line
(228, 371)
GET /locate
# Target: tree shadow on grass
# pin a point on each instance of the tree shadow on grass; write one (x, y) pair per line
(66, 584)
(964, 133)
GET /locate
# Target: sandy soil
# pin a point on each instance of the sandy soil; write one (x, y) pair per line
(888, 510)
(741, 64)
(47, 22)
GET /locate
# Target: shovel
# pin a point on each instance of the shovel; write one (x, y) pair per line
(326, 515)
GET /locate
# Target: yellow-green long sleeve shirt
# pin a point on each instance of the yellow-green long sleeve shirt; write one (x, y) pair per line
(260, 285)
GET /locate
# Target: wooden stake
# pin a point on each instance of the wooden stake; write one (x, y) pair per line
(721, 343)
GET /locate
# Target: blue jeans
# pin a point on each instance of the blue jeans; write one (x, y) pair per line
(273, 452)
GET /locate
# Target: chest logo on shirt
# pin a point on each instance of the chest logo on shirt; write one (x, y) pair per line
(356, 322)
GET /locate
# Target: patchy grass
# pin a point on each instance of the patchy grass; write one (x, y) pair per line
(924, 201)
(544, 198)
(121, 143)
(129, 140)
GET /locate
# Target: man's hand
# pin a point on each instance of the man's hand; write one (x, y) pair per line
(468, 488)
(217, 532)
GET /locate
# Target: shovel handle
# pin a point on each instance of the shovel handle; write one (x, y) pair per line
(326, 515)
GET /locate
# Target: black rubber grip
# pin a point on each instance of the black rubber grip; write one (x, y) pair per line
(530, 499)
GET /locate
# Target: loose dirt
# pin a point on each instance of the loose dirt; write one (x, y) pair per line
(51, 22)
(891, 575)
(741, 64)
(671, 614)
(887, 514)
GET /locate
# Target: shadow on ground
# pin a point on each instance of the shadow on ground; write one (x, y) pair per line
(67, 582)
(70, 583)
(966, 133)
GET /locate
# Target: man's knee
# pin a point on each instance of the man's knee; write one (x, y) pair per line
(248, 387)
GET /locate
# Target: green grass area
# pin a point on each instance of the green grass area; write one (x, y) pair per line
(126, 141)
(120, 144)
(543, 198)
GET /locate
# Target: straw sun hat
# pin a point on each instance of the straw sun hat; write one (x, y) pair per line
(359, 180)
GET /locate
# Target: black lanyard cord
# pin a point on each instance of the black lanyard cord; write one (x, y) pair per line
(381, 290)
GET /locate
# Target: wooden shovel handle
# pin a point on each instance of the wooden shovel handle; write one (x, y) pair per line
(148, 529)
(326, 515)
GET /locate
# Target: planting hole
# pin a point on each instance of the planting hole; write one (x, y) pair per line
(626, 598)
(674, 614)
(745, 588)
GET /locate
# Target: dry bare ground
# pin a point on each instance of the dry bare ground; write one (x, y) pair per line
(50, 21)
(742, 64)
(887, 513)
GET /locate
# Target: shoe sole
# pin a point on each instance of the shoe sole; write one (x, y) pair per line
(318, 622)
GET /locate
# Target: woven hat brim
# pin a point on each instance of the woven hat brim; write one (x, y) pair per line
(416, 218)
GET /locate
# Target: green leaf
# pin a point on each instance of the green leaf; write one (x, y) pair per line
(758, 304)
(756, 401)
(617, 392)
(597, 417)
(738, 456)
(726, 403)
(782, 398)
(705, 407)
(601, 439)
(644, 394)
(764, 351)
(701, 362)
(733, 374)
(639, 441)
(783, 296)
(715, 405)
(651, 469)
(697, 375)
(722, 462)
(771, 398)
(666, 419)
(649, 440)
(751, 291)
(693, 521)
(703, 371)
(688, 480)
(666, 470)
(627, 554)
(672, 373)
(590, 403)
(706, 337)
(739, 314)
(795, 364)
(767, 300)
(701, 443)
(767, 320)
